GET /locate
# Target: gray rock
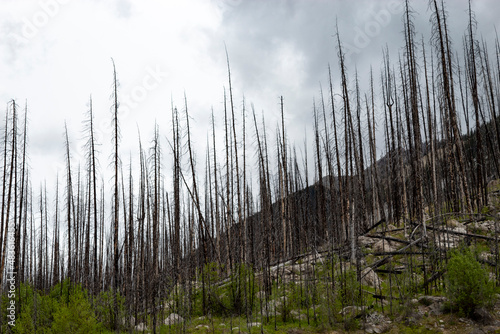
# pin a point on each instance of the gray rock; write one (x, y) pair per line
(453, 223)
(371, 328)
(383, 246)
(413, 318)
(476, 331)
(370, 278)
(366, 241)
(485, 256)
(376, 318)
(484, 317)
(427, 300)
(173, 319)
(446, 240)
(303, 268)
(491, 329)
(312, 259)
(460, 229)
(435, 303)
(254, 324)
(141, 327)
(352, 310)
(202, 326)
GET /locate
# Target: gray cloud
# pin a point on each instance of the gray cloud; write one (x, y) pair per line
(255, 30)
(124, 8)
(280, 47)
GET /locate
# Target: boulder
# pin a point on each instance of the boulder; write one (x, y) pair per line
(485, 256)
(435, 304)
(456, 226)
(312, 259)
(141, 327)
(453, 223)
(280, 271)
(303, 268)
(383, 246)
(380, 326)
(254, 324)
(202, 326)
(485, 226)
(428, 300)
(366, 241)
(370, 328)
(369, 277)
(460, 229)
(352, 310)
(484, 317)
(173, 319)
(446, 240)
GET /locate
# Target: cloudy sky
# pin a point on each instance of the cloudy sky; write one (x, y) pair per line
(54, 54)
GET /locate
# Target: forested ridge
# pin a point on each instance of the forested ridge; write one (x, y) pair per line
(366, 224)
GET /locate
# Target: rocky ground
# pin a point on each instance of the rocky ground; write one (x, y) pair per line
(383, 249)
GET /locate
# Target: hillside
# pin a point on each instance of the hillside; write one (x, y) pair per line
(386, 220)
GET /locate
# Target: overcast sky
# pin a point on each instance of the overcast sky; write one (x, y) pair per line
(54, 54)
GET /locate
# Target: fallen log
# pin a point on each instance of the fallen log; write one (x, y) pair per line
(400, 253)
(386, 259)
(376, 236)
(472, 235)
(377, 296)
(387, 271)
(381, 221)
(434, 277)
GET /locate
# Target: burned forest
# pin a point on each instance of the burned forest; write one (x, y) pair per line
(386, 219)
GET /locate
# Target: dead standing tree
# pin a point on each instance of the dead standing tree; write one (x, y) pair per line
(442, 45)
(116, 205)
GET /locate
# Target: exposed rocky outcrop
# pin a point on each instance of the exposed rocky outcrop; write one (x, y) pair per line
(369, 277)
(173, 319)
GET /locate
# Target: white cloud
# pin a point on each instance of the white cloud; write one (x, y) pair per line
(276, 48)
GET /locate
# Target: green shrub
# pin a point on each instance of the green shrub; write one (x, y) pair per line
(36, 311)
(467, 283)
(208, 299)
(104, 306)
(242, 289)
(76, 316)
(349, 288)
